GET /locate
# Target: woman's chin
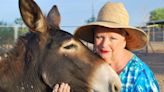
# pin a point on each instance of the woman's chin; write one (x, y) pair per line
(107, 59)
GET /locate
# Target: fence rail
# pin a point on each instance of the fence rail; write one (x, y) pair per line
(9, 34)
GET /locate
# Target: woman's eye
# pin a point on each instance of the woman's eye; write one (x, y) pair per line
(112, 38)
(98, 37)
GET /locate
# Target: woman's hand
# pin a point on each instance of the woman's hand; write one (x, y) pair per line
(64, 87)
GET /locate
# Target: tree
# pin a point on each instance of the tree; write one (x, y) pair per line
(92, 19)
(22, 30)
(19, 21)
(157, 14)
(3, 23)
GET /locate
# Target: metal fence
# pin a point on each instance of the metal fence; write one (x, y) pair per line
(155, 34)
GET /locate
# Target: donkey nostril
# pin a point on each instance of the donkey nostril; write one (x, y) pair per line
(115, 88)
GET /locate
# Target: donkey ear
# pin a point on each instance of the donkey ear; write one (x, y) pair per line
(53, 17)
(32, 15)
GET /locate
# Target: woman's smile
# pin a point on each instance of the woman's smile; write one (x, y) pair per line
(104, 51)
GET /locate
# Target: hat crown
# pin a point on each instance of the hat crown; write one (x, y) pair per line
(113, 13)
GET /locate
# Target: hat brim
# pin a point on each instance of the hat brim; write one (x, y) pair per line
(136, 38)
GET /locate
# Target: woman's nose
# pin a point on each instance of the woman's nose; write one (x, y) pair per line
(105, 43)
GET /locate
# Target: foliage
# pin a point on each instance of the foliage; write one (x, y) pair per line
(7, 34)
(3, 23)
(92, 19)
(22, 31)
(157, 14)
(19, 21)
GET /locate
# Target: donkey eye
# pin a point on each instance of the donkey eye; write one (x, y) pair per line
(70, 46)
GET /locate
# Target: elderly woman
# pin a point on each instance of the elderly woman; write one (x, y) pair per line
(114, 40)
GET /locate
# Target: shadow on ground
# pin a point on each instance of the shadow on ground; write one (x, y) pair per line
(156, 63)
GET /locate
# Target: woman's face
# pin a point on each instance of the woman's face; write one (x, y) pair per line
(109, 42)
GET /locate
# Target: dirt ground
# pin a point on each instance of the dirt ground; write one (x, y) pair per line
(155, 59)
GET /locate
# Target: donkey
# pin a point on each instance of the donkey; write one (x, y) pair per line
(47, 55)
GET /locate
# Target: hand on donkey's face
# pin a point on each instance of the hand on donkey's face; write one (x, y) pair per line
(63, 87)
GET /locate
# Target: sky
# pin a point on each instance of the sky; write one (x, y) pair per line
(74, 13)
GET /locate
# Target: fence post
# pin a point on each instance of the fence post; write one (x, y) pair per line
(153, 31)
(147, 45)
(15, 33)
(163, 33)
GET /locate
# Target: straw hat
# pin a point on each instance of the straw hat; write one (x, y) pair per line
(114, 15)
